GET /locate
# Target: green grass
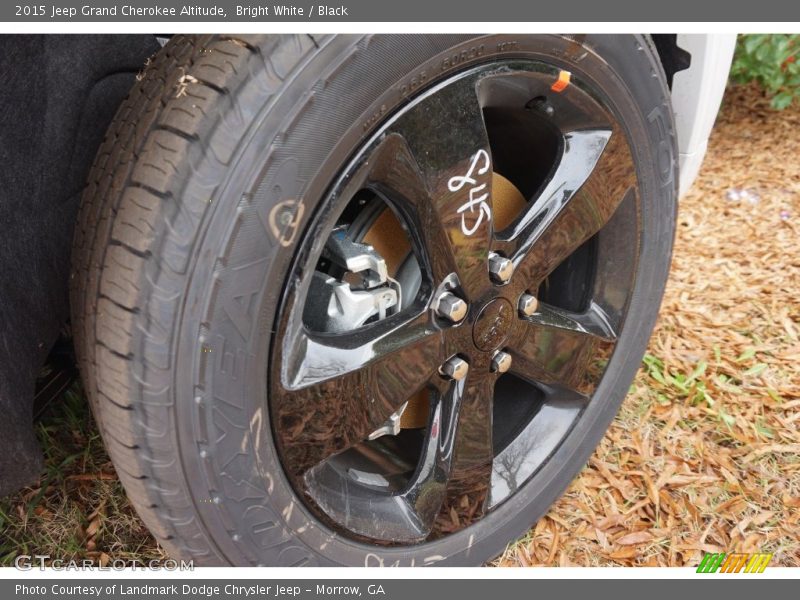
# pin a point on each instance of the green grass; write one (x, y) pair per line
(77, 509)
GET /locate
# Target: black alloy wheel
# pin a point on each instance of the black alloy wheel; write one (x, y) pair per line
(502, 381)
(370, 300)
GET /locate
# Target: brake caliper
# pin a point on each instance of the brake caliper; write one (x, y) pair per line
(365, 290)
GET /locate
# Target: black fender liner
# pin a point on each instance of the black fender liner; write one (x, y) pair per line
(60, 92)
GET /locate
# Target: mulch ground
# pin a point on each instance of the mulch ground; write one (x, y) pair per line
(705, 454)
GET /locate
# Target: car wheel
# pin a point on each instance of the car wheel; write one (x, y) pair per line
(370, 300)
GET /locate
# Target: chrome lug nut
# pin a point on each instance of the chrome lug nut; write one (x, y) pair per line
(455, 368)
(451, 307)
(500, 268)
(528, 304)
(501, 362)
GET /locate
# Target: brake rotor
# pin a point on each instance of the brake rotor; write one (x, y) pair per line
(507, 202)
(387, 237)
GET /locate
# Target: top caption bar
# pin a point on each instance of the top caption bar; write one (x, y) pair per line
(460, 11)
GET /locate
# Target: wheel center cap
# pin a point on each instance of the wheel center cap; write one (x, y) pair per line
(493, 324)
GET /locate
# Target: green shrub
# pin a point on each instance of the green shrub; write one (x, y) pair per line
(771, 60)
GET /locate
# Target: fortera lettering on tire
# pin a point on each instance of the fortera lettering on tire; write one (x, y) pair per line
(475, 203)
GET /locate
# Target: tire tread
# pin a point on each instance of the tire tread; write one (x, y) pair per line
(132, 206)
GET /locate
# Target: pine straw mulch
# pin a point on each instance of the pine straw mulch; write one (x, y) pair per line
(705, 454)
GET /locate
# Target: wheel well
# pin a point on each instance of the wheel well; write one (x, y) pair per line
(60, 94)
(672, 57)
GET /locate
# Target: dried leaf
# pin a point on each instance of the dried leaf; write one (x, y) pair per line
(637, 537)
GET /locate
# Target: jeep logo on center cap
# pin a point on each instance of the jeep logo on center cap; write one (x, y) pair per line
(492, 325)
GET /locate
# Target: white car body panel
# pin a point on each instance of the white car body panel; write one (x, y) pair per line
(696, 97)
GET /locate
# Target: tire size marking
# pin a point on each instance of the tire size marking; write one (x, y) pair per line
(418, 80)
(413, 84)
(507, 46)
(476, 202)
(374, 118)
(462, 57)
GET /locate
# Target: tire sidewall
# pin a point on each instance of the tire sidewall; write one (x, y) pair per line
(328, 106)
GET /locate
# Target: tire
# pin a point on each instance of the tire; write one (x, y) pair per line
(181, 264)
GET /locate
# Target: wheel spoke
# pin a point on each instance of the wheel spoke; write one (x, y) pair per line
(395, 175)
(581, 151)
(470, 480)
(339, 391)
(564, 350)
(595, 174)
(408, 515)
(446, 135)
